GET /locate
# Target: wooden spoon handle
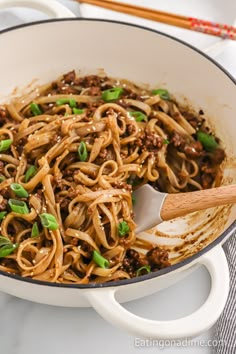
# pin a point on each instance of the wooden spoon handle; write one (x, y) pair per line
(180, 204)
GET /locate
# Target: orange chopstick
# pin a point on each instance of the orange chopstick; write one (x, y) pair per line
(191, 23)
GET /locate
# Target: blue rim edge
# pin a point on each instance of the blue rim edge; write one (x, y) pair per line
(167, 270)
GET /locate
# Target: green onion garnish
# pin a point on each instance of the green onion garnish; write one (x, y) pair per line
(2, 215)
(8, 249)
(2, 178)
(70, 101)
(112, 94)
(164, 94)
(5, 144)
(6, 246)
(82, 151)
(19, 190)
(49, 221)
(17, 206)
(123, 228)
(35, 230)
(140, 270)
(100, 260)
(77, 111)
(208, 141)
(31, 172)
(35, 109)
(139, 116)
(166, 141)
(4, 241)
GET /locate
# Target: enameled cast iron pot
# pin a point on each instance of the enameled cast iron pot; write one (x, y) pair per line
(45, 50)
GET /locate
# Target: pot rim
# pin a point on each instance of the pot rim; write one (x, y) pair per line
(173, 267)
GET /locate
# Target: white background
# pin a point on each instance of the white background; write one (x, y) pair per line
(28, 328)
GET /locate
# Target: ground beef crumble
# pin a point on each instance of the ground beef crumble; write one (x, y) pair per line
(69, 77)
(148, 141)
(193, 149)
(90, 80)
(177, 140)
(156, 259)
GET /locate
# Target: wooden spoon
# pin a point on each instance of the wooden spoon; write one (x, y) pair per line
(152, 207)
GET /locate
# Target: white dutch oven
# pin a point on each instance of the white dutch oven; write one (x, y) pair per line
(47, 49)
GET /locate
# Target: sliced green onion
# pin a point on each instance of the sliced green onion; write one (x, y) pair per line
(164, 94)
(4, 241)
(19, 190)
(17, 206)
(8, 249)
(35, 109)
(49, 221)
(208, 141)
(2, 178)
(100, 260)
(35, 230)
(77, 111)
(82, 151)
(166, 141)
(5, 144)
(31, 172)
(123, 228)
(70, 101)
(112, 94)
(140, 270)
(2, 215)
(139, 116)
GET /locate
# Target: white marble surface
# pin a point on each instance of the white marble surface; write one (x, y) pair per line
(29, 328)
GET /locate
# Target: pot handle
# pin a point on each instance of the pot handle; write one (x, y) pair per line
(50, 7)
(105, 303)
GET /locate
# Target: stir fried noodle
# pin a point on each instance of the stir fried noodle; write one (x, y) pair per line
(71, 153)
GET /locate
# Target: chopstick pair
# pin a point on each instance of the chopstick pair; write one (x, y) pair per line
(216, 29)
